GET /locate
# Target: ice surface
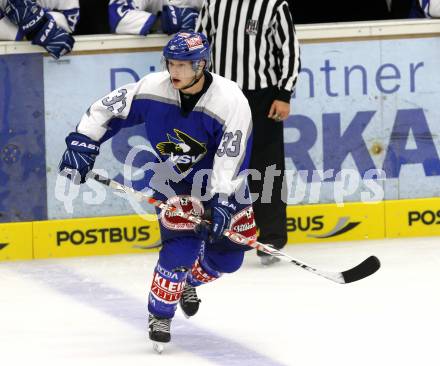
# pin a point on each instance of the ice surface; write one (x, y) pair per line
(92, 311)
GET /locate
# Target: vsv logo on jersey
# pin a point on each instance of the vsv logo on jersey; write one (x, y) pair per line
(184, 151)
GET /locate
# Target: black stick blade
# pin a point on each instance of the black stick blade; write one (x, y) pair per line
(362, 270)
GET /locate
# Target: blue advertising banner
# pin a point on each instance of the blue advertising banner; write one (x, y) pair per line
(71, 86)
(22, 145)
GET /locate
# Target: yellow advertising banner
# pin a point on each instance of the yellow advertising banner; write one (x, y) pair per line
(329, 223)
(95, 236)
(305, 224)
(415, 217)
(16, 241)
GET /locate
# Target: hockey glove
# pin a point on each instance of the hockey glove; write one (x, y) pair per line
(54, 39)
(26, 14)
(79, 156)
(176, 19)
(221, 214)
(39, 27)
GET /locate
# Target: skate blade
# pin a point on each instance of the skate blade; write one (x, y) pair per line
(269, 261)
(158, 347)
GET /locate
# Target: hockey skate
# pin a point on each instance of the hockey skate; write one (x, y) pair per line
(189, 302)
(159, 332)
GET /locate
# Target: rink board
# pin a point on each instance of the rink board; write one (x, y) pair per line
(329, 222)
(407, 218)
(305, 224)
(16, 241)
(23, 165)
(94, 236)
(364, 113)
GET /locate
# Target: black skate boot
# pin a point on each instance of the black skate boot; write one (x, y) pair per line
(159, 332)
(189, 302)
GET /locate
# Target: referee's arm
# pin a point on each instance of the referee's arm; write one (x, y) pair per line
(288, 52)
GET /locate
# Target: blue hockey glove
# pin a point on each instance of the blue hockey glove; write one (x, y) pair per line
(176, 19)
(203, 231)
(39, 27)
(221, 214)
(189, 19)
(26, 14)
(79, 156)
(54, 39)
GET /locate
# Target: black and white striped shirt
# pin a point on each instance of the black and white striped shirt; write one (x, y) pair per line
(253, 43)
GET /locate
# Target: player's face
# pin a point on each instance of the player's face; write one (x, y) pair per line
(181, 73)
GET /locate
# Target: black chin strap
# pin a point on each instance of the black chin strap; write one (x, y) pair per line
(194, 81)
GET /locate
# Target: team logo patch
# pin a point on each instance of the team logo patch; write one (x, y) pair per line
(252, 27)
(243, 223)
(165, 290)
(183, 150)
(187, 204)
(194, 43)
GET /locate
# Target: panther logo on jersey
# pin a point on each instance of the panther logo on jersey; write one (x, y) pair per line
(183, 150)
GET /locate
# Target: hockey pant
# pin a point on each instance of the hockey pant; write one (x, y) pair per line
(184, 258)
(187, 260)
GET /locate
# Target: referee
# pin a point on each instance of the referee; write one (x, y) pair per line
(254, 44)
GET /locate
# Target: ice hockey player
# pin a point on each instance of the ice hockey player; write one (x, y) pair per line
(46, 23)
(198, 123)
(425, 9)
(141, 16)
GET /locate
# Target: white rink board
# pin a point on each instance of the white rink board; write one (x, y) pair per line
(366, 106)
(380, 96)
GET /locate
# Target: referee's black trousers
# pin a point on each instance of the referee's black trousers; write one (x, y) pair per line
(267, 150)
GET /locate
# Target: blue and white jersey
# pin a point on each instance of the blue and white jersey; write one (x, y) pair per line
(431, 8)
(64, 12)
(8, 30)
(138, 16)
(215, 137)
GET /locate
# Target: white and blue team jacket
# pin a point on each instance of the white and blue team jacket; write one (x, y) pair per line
(64, 12)
(138, 16)
(431, 8)
(215, 135)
